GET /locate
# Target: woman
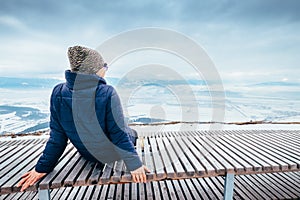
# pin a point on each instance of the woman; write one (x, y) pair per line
(88, 112)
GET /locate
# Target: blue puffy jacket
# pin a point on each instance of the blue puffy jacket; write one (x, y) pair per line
(88, 112)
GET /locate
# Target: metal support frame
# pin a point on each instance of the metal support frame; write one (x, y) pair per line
(44, 194)
(228, 186)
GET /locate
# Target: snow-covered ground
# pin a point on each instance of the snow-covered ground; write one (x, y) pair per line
(27, 110)
(187, 127)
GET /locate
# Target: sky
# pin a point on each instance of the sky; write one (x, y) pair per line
(248, 41)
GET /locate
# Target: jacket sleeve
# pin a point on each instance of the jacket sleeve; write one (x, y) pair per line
(117, 127)
(56, 143)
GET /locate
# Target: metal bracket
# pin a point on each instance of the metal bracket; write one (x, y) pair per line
(44, 194)
(228, 186)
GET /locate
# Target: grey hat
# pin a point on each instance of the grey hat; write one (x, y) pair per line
(85, 60)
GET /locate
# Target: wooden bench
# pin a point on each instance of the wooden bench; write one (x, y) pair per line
(170, 155)
(285, 185)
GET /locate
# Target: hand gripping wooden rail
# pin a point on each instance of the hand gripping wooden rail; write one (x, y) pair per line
(169, 155)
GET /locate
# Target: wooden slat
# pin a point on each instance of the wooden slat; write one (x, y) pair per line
(257, 188)
(66, 193)
(216, 165)
(96, 174)
(141, 190)
(149, 160)
(286, 182)
(166, 159)
(119, 191)
(189, 171)
(126, 195)
(235, 154)
(246, 187)
(173, 155)
(273, 182)
(46, 182)
(107, 171)
(209, 147)
(97, 192)
(58, 181)
(271, 192)
(12, 159)
(250, 154)
(4, 150)
(199, 169)
(279, 149)
(73, 193)
(158, 163)
(218, 193)
(174, 159)
(156, 190)
(149, 192)
(164, 189)
(84, 174)
(82, 190)
(206, 188)
(8, 181)
(134, 193)
(117, 171)
(73, 175)
(89, 192)
(265, 154)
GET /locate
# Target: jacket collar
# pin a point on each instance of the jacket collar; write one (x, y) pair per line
(82, 81)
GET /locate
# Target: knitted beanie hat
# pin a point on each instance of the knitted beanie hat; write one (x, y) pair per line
(85, 60)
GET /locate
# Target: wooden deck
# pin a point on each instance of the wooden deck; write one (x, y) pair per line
(284, 185)
(170, 155)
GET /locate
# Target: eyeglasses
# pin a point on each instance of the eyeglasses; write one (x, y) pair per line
(105, 66)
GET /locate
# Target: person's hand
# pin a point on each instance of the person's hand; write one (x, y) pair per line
(29, 179)
(139, 175)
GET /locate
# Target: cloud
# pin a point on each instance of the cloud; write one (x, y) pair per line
(12, 22)
(240, 36)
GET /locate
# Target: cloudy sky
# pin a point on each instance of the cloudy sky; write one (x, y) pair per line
(247, 40)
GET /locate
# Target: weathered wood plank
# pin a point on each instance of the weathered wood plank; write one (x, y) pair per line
(73, 175)
(16, 157)
(149, 160)
(96, 174)
(126, 195)
(159, 168)
(149, 193)
(166, 159)
(273, 182)
(279, 149)
(174, 159)
(117, 171)
(265, 154)
(233, 153)
(85, 173)
(210, 147)
(58, 181)
(199, 169)
(156, 190)
(189, 171)
(107, 171)
(9, 181)
(46, 182)
(216, 165)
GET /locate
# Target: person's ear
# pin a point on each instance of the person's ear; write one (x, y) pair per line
(101, 72)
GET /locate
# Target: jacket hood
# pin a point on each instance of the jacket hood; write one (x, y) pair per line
(82, 81)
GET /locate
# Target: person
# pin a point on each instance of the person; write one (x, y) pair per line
(88, 112)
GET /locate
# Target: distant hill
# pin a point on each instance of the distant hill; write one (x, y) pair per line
(276, 83)
(30, 83)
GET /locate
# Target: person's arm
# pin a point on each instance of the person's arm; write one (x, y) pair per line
(117, 131)
(54, 148)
